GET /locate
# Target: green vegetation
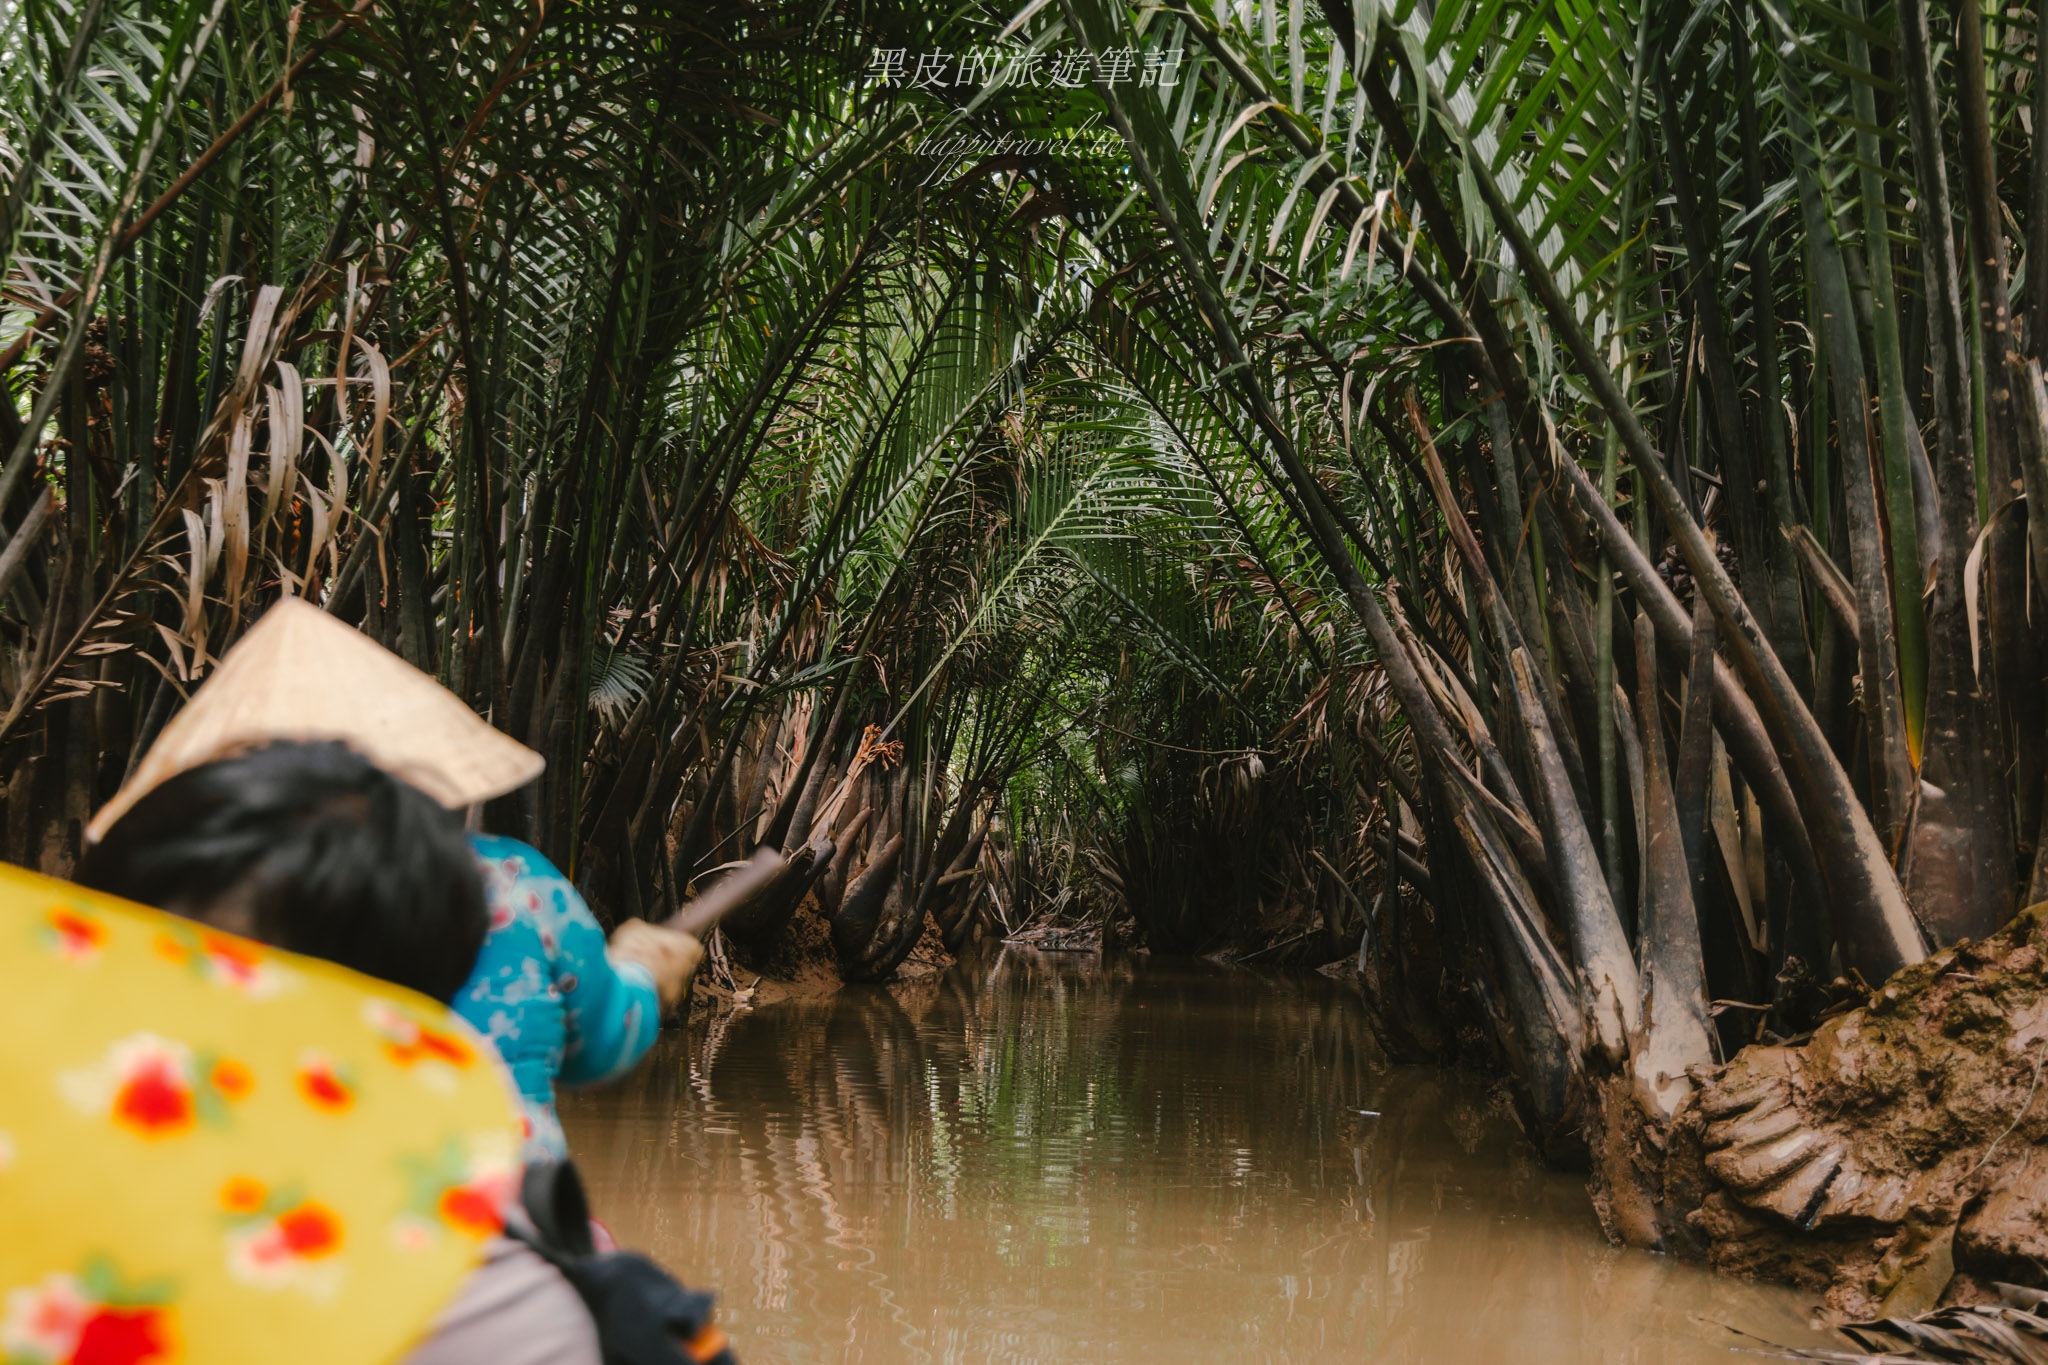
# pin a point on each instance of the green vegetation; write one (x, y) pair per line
(1534, 496)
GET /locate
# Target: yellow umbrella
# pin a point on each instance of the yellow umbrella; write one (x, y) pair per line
(215, 1152)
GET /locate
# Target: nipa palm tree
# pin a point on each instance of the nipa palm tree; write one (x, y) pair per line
(1535, 497)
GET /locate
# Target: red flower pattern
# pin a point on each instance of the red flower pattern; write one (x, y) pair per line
(310, 1231)
(88, 1320)
(78, 937)
(232, 1079)
(155, 1100)
(470, 1209)
(407, 1041)
(124, 1336)
(323, 1089)
(155, 1088)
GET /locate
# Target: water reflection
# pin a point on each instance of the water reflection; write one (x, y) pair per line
(1045, 1159)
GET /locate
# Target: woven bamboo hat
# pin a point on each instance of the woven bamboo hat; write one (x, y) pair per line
(299, 674)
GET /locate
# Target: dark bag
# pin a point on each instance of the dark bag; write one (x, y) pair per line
(643, 1316)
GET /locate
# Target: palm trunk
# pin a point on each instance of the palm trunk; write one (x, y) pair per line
(1880, 933)
(1959, 860)
(1674, 1010)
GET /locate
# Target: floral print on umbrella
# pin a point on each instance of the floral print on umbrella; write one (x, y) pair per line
(234, 963)
(166, 1070)
(325, 1084)
(92, 1318)
(409, 1042)
(157, 1087)
(73, 934)
(455, 1189)
(279, 1239)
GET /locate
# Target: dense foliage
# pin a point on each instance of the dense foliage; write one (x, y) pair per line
(1532, 495)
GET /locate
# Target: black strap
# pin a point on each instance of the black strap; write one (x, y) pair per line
(642, 1315)
(552, 1193)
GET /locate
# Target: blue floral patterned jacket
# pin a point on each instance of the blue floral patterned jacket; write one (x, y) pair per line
(545, 991)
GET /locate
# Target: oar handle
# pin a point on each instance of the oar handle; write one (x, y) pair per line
(729, 893)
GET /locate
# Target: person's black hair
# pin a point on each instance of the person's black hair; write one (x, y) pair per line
(319, 851)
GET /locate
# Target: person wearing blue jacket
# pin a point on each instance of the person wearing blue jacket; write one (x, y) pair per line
(560, 1002)
(548, 990)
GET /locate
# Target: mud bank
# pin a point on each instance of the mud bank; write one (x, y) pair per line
(1894, 1162)
(801, 965)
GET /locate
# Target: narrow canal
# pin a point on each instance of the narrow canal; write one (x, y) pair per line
(1047, 1159)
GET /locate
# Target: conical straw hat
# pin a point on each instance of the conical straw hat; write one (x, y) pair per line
(300, 674)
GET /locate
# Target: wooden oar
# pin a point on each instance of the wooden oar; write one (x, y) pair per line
(729, 893)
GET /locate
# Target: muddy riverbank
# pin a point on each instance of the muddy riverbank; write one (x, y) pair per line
(1898, 1159)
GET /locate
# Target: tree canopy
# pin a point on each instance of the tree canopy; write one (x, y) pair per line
(1533, 498)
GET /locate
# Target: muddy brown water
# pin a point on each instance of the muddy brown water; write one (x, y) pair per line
(1044, 1158)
